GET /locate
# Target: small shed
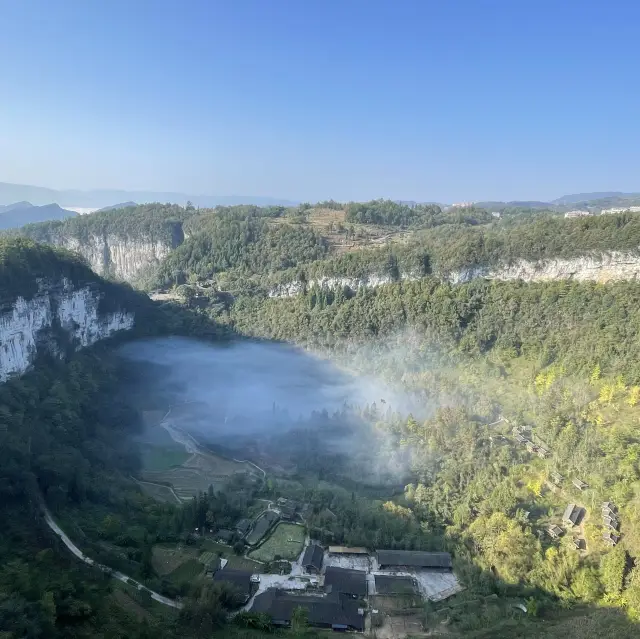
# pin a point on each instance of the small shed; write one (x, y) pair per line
(611, 523)
(579, 484)
(543, 453)
(557, 478)
(610, 538)
(555, 531)
(578, 543)
(609, 505)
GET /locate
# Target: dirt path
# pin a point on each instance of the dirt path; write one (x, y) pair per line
(114, 573)
(173, 492)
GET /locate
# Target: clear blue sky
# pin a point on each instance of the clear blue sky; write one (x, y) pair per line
(311, 99)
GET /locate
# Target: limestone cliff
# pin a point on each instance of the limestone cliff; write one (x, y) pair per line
(120, 257)
(605, 267)
(58, 316)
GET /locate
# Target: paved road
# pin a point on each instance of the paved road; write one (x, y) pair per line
(114, 573)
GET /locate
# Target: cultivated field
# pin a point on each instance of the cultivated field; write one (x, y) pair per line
(286, 542)
(198, 472)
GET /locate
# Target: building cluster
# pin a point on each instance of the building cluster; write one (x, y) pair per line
(578, 213)
(615, 211)
(334, 596)
(610, 523)
(534, 449)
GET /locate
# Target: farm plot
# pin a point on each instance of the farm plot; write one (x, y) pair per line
(286, 542)
(198, 472)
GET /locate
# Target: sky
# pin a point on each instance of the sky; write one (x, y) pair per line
(312, 99)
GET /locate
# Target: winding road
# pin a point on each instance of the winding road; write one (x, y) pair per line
(114, 573)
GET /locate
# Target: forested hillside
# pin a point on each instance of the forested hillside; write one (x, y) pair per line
(492, 364)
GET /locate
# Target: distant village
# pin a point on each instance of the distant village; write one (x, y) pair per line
(339, 587)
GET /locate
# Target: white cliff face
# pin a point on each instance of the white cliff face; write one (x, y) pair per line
(24, 327)
(605, 267)
(290, 289)
(119, 257)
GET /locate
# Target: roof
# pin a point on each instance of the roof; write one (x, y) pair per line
(348, 550)
(243, 525)
(350, 582)
(611, 522)
(225, 534)
(239, 579)
(554, 530)
(611, 537)
(578, 483)
(329, 610)
(572, 514)
(608, 504)
(417, 559)
(391, 585)
(313, 556)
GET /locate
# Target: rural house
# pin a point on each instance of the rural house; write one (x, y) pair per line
(239, 580)
(335, 611)
(312, 559)
(572, 515)
(346, 581)
(243, 526)
(397, 559)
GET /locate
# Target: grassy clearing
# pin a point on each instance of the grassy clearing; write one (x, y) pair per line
(159, 493)
(157, 458)
(286, 542)
(242, 563)
(132, 600)
(234, 561)
(167, 560)
(186, 572)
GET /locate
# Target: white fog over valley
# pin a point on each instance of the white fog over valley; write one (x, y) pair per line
(242, 393)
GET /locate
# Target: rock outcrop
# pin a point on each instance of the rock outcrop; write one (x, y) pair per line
(119, 257)
(605, 267)
(59, 316)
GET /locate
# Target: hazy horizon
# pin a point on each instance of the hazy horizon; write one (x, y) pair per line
(447, 102)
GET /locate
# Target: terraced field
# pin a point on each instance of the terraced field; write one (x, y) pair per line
(197, 473)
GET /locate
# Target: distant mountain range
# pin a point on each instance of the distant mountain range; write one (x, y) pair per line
(39, 195)
(596, 195)
(113, 207)
(21, 213)
(596, 199)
